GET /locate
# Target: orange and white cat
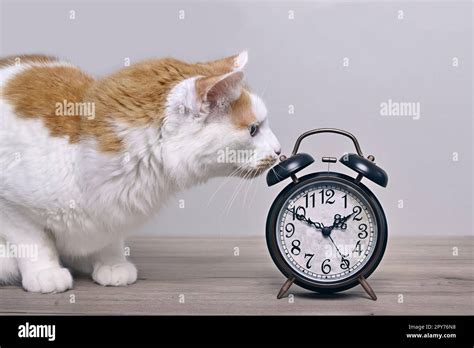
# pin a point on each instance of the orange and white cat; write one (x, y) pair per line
(83, 162)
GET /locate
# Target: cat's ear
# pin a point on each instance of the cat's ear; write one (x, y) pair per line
(236, 62)
(240, 61)
(212, 89)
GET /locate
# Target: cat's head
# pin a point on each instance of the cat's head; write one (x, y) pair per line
(215, 125)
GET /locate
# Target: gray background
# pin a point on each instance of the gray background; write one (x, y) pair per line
(299, 62)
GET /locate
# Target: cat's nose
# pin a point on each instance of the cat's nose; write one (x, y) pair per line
(278, 151)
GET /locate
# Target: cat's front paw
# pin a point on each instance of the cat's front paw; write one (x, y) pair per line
(49, 280)
(115, 275)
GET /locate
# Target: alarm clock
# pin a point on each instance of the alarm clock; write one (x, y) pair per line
(326, 231)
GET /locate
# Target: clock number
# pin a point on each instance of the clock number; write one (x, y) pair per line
(357, 210)
(326, 196)
(299, 213)
(364, 233)
(296, 247)
(313, 199)
(308, 266)
(290, 228)
(325, 266)
(358, 248)
(345, 200)
(345, 264)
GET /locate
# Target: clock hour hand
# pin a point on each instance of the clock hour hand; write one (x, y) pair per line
(301, 217)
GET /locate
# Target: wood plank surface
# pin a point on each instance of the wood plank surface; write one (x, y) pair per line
(418, 276)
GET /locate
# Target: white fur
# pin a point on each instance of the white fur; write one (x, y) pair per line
(78, 204)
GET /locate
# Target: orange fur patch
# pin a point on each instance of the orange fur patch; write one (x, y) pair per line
(135, 95)
(242, 114)
(35, 92)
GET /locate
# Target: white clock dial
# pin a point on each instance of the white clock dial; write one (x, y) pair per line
(326, 231)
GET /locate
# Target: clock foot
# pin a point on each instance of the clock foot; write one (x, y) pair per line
(368, 289)
(284, 289)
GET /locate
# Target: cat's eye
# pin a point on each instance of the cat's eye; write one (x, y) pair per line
(253, 128)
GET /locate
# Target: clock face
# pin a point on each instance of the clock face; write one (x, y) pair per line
(326, 231)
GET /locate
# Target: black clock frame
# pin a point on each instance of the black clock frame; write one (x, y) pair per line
(353, 280)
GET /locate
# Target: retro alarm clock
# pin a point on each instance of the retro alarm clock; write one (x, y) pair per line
(326, 231)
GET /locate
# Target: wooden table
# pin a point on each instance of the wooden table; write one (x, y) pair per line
(202, 275)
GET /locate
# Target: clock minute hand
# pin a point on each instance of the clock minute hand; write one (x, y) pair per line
(342, 256)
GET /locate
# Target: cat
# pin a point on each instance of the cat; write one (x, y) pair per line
(84, 162)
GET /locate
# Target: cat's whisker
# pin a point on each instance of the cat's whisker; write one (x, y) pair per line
(248, 187)
(234, 195)
(225, 181)
(250, 174)
(247, 182)
(252, 199)
(235, 173)
(237, 190)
